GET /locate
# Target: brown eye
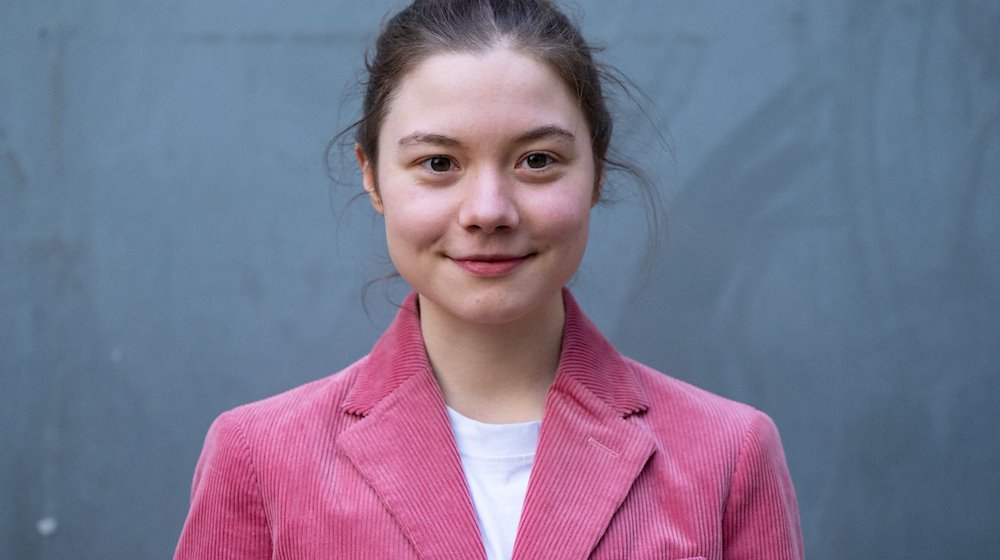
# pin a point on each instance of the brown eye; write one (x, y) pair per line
(537, 160)
(438, 164)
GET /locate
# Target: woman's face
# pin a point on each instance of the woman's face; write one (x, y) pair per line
(485, 177)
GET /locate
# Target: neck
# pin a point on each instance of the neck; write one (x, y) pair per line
(494, 373)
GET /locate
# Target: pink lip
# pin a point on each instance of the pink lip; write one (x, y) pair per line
(487, 266)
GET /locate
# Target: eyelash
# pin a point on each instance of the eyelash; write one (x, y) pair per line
(427, 162)
(550, 160)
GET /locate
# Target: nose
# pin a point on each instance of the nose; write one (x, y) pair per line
(487, 205)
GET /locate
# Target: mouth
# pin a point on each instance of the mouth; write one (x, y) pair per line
(489, 266)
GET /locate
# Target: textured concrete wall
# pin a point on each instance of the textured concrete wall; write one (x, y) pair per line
(171, 247)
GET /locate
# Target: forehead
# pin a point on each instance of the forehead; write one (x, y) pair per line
(493, 93)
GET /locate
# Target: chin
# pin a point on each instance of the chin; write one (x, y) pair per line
(497, 309)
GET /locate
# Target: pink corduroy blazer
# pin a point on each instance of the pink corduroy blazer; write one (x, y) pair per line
(362, 464)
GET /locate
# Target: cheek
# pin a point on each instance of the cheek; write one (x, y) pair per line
(563, 219)
(411, 222)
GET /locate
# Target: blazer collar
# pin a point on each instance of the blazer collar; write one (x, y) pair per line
(398, 356)
(587, 360)
(403, 445)
(589, 452)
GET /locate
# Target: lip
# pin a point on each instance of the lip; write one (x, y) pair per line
(490, 266)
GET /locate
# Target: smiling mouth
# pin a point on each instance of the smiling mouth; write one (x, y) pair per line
(488, 266)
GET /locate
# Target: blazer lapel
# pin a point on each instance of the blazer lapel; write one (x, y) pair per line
(404, 447)
(584, 469)
(589, 453)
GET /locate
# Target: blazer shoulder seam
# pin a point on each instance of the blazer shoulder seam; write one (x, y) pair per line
(254, 471)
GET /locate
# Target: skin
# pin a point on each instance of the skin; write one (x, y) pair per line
(485, 178)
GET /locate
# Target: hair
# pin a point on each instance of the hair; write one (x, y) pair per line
(534, 27)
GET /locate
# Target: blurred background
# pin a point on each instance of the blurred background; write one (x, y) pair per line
(172, 247)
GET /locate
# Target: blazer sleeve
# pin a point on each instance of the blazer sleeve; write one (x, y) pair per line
(761, 518)
(227, 519)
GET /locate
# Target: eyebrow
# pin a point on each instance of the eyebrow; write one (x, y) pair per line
(548, 131)
(428, 138)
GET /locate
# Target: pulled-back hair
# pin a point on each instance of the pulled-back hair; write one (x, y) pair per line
(534, 27)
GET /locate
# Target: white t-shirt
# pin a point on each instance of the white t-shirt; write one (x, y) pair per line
(497, 459)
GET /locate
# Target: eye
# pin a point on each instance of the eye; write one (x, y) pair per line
(437, 164)
(538, 160)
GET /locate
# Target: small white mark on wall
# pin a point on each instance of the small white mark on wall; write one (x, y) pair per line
(47, 525)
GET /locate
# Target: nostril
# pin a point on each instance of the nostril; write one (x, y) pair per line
(488, 209)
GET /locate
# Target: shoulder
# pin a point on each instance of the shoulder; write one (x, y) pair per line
(250, 455)
(298, 411)
(683, 399)
(682, 416)
(285, 437)
(729, 451)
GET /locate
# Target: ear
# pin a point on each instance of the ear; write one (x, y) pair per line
(598, 189)
(368, 179)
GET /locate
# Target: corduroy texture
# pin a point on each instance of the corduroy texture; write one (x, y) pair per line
(362, 464)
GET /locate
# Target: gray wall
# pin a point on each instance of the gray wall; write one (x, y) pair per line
(171, 247)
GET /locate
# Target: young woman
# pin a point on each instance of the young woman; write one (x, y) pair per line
(492, 419)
